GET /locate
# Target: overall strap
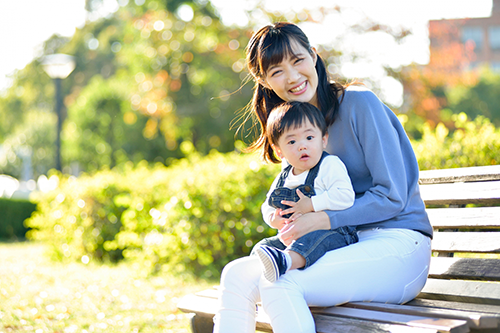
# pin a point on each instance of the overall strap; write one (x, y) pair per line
(283, 176)
(311, 176)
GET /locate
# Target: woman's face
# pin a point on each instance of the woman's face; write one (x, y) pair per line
(295, 78)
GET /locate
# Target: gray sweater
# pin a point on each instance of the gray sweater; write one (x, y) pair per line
(370, 140)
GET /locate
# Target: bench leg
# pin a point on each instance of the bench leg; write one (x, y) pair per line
(201, 324)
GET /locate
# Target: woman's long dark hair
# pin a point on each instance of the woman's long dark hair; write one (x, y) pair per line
(267, 47)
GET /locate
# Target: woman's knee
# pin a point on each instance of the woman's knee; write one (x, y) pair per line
(232, 270)
(244, 270)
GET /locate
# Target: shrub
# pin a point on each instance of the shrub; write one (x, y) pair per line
(14, 212)
(472, 143)
(194, 216)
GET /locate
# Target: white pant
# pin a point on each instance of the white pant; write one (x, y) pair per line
(386, 265)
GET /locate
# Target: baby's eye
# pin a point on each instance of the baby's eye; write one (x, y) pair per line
(291, 142)
(310, 137)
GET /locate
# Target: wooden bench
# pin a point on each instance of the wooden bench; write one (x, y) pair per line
(462, 293)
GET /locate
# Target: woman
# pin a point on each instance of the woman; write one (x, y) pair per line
(390, 262)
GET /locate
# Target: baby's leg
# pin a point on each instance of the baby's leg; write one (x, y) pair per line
(315, 244)
(276, 262)
(273, 241)
(298, 261)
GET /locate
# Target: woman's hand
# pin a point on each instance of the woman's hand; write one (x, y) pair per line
(304, 224)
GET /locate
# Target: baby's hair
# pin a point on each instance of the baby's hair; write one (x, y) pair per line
(290, 115)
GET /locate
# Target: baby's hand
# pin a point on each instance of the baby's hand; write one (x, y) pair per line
(301, 207)
(277, 220)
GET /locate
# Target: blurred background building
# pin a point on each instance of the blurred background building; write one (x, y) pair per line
(475, 42)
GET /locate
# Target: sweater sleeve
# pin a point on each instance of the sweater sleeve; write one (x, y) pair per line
(378, 134)
(336, 185)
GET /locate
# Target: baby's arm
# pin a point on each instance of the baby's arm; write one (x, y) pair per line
(333, 186)
(277, 221)
(272, 216)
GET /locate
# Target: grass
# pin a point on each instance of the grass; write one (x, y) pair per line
(39, 295)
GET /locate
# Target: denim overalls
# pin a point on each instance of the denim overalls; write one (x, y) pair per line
(315, 244)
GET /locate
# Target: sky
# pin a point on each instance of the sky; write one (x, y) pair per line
(25, 24)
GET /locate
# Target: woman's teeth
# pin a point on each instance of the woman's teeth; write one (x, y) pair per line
(299, 88)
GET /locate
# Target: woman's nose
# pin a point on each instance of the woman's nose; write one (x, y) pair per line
(293, 76)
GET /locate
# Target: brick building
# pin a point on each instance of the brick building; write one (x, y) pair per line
(475, 39)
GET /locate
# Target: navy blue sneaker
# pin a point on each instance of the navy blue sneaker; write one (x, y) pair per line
(274, 263)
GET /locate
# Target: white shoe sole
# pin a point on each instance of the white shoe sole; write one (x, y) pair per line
(269, 267)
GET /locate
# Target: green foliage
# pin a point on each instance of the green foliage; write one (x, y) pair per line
(103, 130)
(31, 141)
(155, 79)
(480, 98)
(472, 143)
(14, 212)
(171, 73)
(194, 216)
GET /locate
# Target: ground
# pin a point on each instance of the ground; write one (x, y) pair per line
(39, 295)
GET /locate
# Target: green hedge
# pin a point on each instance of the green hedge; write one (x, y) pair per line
(471, 143)
(194, 216)
(12, 216)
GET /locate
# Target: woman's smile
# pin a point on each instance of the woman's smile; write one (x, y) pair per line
(299, 89)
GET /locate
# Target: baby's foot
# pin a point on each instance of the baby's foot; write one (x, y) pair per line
(274, 262)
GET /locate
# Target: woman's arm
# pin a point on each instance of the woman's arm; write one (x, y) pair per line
(372, 143)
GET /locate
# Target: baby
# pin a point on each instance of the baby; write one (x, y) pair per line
(312, 181)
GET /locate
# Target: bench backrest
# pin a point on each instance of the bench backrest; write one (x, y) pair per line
(464, 209)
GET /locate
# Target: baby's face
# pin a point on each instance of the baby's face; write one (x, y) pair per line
(302, 146)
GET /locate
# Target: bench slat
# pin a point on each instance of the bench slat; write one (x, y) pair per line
(348, 325)
(465, 268)
(474, 217)
(451, 305)
(442, 325)
(203, 306)
(481, 173)
(476, 242)
(462, 291)
(474, 319)
(461, 193)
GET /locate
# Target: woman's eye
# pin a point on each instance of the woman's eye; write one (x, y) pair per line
(275, 73)
(298, 60)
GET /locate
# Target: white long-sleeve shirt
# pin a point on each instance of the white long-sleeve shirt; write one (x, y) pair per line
(332, 186)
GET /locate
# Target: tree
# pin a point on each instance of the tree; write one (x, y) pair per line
(480, 98)
(160, 79)
(153, 81)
